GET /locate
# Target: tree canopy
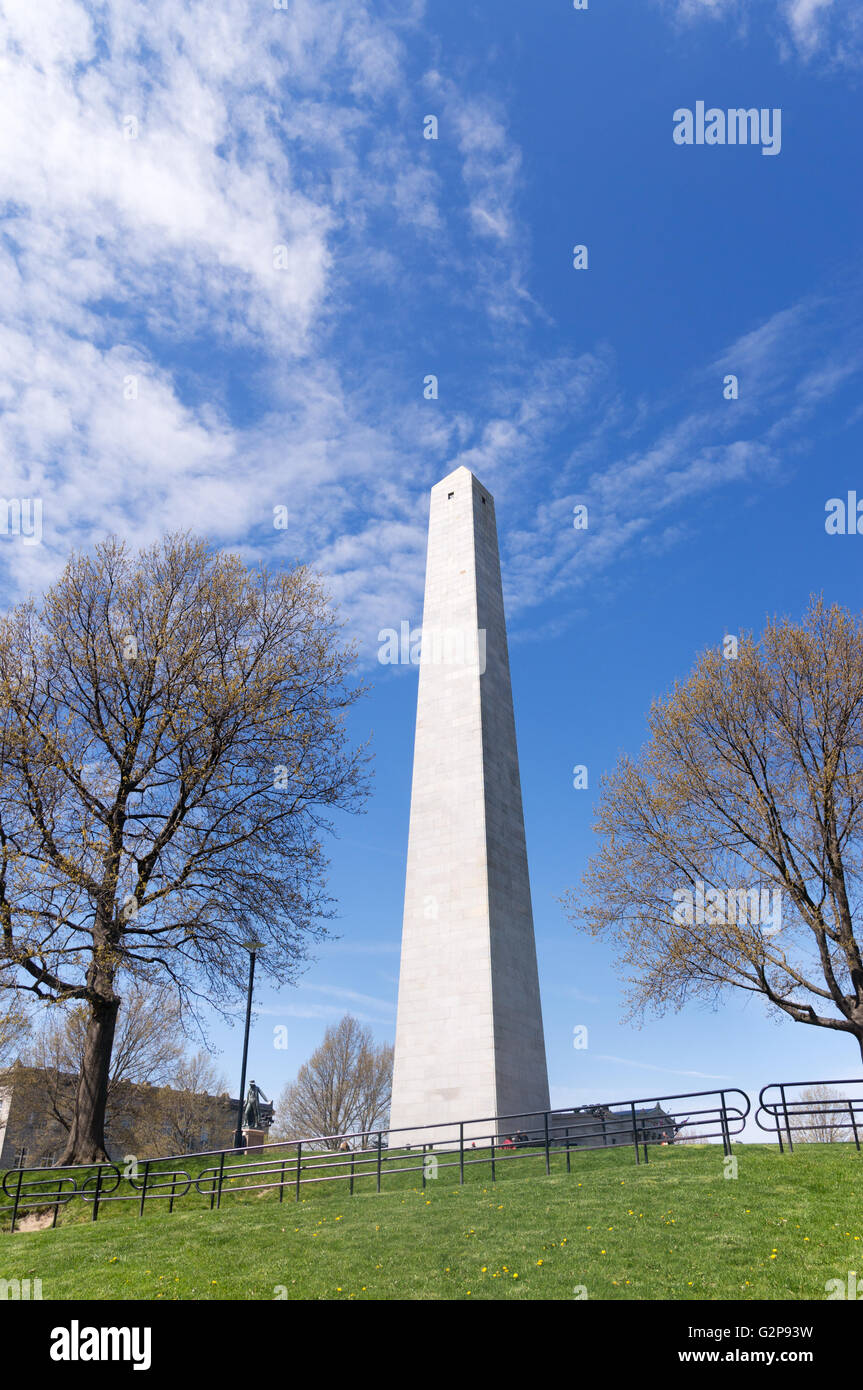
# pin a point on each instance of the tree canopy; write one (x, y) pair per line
(730, 851)
(172, 739)
(345, 1087)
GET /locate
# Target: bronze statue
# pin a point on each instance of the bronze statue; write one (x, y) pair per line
(252, 1109)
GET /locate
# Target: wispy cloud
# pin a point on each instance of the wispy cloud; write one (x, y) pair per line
(297, 1004)
(138, 283)
(195, 215)
(327, 1012)
(825, 32)
(351, 996)
(666, 1071)
(364, 948)
(808, 22)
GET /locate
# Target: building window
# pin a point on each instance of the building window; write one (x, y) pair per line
(450, 496)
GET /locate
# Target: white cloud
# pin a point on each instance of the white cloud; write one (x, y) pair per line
(351, 996)
(326, 1012)
(254, 129)
(827, 32)
(667, 1071)
(805, 20)
(490, 171)
(151, 259)
(695, 9)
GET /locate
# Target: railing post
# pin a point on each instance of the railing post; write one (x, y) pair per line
(424, 1168)
(634, 1133)
(353, 1164)
(776, 1122)
(492, 1159)
(144, 1189)
(282, 1183)
(854, 1124)
(173, 1190)
(568, 1169)
(726, 1136)
(97, 1192)
(17, 1199)
(380, 1154)
(787, 1121)
(461, 1153)
(547, 1154)
(299, 1167)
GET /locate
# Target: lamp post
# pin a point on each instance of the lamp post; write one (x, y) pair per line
(252, 947)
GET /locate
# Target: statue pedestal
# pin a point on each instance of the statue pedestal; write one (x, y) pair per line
(253, 1139)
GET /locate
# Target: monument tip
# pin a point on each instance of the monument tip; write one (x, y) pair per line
(459, 473)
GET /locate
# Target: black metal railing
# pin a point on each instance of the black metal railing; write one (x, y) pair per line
(786, 1112)
(289, 1166)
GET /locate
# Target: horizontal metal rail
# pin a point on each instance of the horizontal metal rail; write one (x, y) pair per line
(290, 1165)
(785, 1113)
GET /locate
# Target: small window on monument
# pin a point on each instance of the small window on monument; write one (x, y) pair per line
(450, 496)
(483, 500)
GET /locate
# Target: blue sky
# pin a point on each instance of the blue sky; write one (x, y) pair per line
(230, 259)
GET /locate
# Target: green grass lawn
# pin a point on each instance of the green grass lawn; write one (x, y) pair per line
(674, 1229)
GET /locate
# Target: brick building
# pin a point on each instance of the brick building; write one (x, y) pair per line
(148, 1121)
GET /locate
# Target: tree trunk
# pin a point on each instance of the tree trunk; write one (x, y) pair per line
(86, 1142)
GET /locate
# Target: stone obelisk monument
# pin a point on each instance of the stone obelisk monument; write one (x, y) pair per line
(469, 1039)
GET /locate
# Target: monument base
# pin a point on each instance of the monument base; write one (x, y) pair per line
(254, 1139)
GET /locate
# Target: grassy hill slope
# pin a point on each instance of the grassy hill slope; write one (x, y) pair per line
(675, 1229)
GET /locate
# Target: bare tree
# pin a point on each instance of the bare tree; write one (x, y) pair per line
(827, 1120)
(14, 1031)
(345, 1087)
(148, 1046)
(180, 1117)
(731, 851)
(172, 732)
(690, 1134)
(375, 1071)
